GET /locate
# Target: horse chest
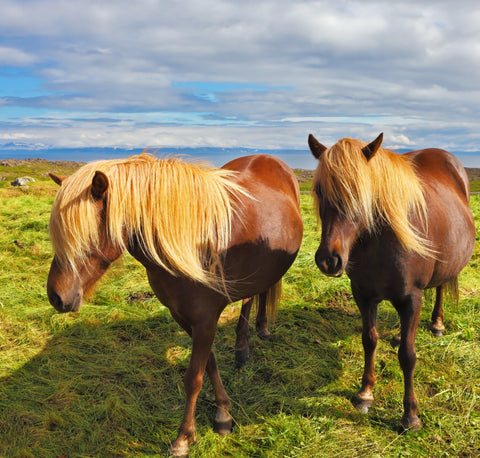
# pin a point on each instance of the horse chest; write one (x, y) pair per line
(380, 268)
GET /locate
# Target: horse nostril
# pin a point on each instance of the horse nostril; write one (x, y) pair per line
(67, 304)
(333, 262)
(56, 301)
(329, 265)
(320, 261)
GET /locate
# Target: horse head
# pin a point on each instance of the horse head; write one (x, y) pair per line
(340, 226)
(338, 237)
(67, 282)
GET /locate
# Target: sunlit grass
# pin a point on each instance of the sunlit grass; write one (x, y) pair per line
(107, 381)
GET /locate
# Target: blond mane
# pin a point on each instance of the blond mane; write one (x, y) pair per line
(180, 213)
(383, 191)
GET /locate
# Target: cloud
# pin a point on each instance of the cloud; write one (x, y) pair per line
(222, 73)
(12, 57)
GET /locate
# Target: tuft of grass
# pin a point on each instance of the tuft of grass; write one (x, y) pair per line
(107, 381)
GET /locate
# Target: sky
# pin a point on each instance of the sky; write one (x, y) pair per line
(240, 74)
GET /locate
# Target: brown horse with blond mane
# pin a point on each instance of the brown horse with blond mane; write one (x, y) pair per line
(397, 224)
(206, 236)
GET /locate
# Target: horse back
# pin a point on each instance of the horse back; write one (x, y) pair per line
(267, 172)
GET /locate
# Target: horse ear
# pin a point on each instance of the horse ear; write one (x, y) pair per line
(316, 147)
(56, 178)
(99, 185)
(370, 150)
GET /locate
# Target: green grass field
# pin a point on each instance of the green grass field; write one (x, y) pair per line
(107, 381)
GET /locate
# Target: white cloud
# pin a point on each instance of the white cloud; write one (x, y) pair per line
(13, 57)
(342, 67)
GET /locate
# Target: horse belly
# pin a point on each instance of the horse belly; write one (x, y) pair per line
(452, 262)
(252, 268)
(454, 242)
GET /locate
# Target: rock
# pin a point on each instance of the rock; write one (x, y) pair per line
(21, 181)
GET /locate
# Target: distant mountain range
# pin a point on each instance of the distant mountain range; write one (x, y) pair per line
(300, 159)
(217, 156)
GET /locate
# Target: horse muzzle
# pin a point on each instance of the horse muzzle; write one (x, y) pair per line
(64, 289)
(330, 264)
(65, 303)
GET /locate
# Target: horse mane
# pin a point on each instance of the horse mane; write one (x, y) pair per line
(179, 213)
(385, 190)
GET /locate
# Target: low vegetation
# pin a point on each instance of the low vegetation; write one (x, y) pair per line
(107, 381)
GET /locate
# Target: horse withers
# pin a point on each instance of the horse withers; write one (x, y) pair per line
(396, 224)
(206, 236)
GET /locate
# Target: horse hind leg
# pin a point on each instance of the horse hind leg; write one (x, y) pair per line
(223, 420)
(242, 350)
(261, 321)
(437, 327)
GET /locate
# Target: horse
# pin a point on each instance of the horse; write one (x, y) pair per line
(206, 236)
(397, 225)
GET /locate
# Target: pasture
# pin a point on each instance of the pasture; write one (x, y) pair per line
(107, 381)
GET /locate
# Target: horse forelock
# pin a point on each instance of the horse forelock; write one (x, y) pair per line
(179, 213)
(343, 180)
(73, 221)
(383, 190)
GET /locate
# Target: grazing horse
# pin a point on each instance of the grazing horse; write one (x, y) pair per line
(206, 236)
(397, 224)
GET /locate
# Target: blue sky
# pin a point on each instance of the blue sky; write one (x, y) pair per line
(229, 74)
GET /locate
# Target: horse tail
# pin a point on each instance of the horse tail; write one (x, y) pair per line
(272, 300)
(451, 291)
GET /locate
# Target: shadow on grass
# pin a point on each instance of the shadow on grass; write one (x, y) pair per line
(111, 389)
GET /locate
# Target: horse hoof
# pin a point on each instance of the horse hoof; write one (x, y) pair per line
(362, 405)
(223, 423)
(223, 427)
(438, 331)
(437, 328)
(179, 449)
(180, 445)
(412, 423)
(241, 357)
(396, 340)
(264, 334)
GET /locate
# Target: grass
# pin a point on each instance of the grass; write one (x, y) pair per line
(107, 381)
(475, 186)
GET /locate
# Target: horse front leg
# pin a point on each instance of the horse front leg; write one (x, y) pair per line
(363, 400)
(437, 327)
(409, 312)
(202, 340)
